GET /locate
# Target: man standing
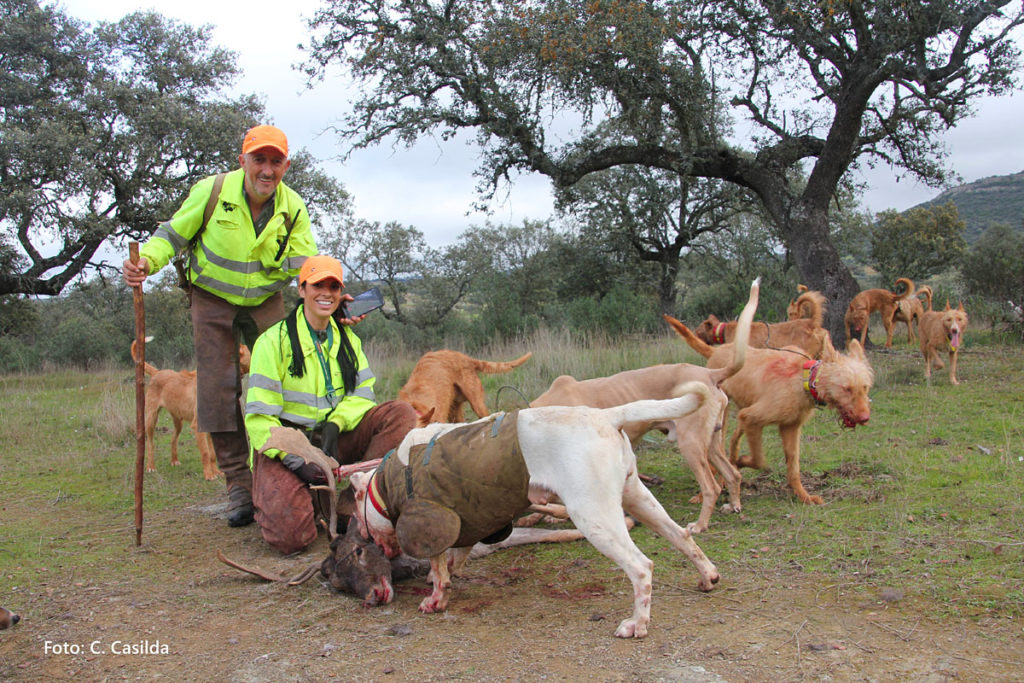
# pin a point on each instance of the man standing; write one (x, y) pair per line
(246, 246)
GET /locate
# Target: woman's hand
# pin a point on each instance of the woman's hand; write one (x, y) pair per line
(343, 317)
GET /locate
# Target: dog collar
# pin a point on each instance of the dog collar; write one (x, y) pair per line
(811, 368)
(376, 499)
(718, 336)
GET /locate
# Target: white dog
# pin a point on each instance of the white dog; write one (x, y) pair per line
(578, 454)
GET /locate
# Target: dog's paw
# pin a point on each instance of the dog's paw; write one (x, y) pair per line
(694, 528)
(730, 507)
(631, 628)
(707, 584)
(432, 604)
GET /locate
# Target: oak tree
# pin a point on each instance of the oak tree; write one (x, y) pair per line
(814, 88)
(103, 130)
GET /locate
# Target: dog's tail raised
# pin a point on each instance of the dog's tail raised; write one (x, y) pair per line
(150, 370)
(908, 287)
(740, 344)
(494, 367)
(812, 305)
(691, 397)
(927, 292)
(695, 342)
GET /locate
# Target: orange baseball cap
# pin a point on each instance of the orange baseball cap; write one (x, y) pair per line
(261, 137)
(320, 267)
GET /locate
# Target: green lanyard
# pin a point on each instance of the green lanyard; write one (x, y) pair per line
(324, 365)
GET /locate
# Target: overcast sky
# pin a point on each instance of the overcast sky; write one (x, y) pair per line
(431, 187)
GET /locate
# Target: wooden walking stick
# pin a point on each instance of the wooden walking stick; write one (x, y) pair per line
(140, 393)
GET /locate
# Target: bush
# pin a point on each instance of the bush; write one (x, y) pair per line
(19, 354)
(621, 312)
(85, 342)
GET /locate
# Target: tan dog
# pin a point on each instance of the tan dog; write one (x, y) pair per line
(858, 313)
(175, 391)
(942, 330)
(782, 387)
(698, 435)
(808, 304)
(443, 381)
(806, 333)
(910, 308)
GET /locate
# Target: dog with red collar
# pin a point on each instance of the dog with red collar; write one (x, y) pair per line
(807, 333)
(448, 486)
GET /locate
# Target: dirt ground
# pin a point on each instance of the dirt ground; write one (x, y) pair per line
(171, 610)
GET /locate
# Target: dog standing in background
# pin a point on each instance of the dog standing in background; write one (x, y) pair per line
(175, 391)
(808, 304)
(806, 332)
(858, 313)
(443, 381)
(942, 330)
(909, 309)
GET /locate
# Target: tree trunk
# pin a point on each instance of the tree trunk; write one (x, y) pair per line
(667, 285)
(821, 268)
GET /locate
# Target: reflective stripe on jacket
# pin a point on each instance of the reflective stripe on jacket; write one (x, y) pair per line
(275, 395)
(230, 261)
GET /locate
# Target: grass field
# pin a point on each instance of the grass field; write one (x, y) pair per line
(925, 503)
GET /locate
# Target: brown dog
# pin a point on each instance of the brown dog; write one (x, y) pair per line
(910, 308)
(858, 313)
(807, 333)
(942, 330)
(175, 391)
(8, 618)
(443, 381)
(698, 435)
(782, 387)
(808, 304)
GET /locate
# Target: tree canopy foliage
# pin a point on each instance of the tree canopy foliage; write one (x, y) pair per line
(994, 266)
(917, 243)
(813, 89)
(104, 130)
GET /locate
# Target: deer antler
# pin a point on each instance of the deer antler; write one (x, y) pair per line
(300, 578)
(293, 441)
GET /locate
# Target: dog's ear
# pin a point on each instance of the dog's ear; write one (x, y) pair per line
(423, 419)
(828, 352)
(855, 350)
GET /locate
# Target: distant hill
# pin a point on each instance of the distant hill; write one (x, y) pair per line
(996, 198)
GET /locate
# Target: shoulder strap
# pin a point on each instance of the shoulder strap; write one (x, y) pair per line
(289, 223)
(183, 262)
(211, 204)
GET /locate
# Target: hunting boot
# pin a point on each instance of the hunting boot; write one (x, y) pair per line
(232, 451)
(240, 510)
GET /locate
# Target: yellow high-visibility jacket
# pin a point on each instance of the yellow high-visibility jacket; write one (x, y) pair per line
(230, 261)
(275, 395)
